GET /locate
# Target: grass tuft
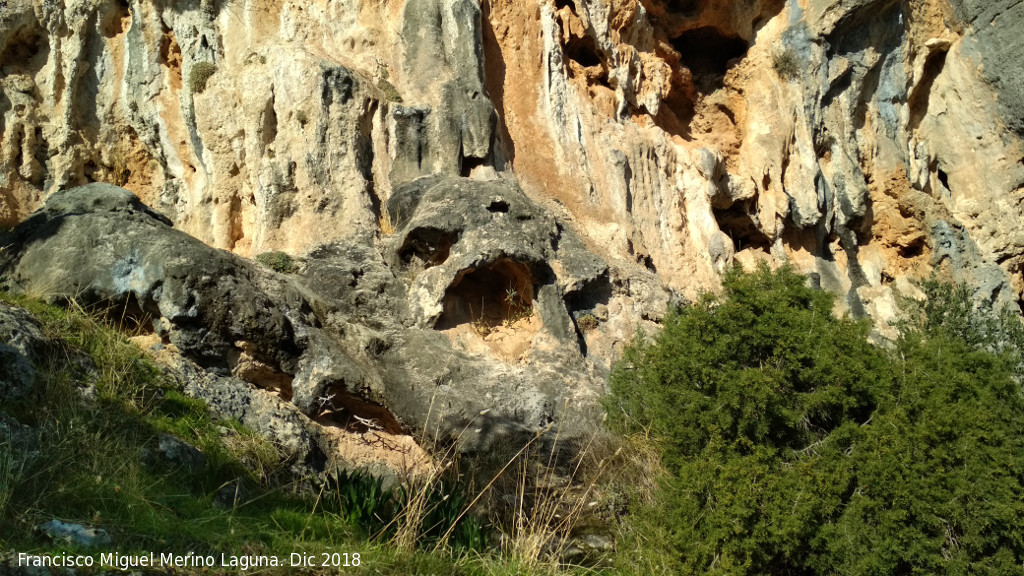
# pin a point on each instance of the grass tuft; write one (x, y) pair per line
(786, 63)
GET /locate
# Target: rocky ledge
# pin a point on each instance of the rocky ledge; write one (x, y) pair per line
(461, 326)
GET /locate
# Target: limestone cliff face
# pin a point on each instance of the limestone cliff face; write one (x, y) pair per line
(866, 141)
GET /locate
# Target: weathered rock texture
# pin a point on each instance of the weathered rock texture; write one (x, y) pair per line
(461, 326)
(465, 179)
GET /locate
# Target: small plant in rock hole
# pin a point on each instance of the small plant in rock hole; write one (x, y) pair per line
(587, 323)
(480, 325)
(517, 309)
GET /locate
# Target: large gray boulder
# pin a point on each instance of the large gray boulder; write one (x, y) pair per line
(100, 244)
(460, 325)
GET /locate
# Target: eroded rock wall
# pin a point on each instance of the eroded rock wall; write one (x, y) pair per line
(867, 142)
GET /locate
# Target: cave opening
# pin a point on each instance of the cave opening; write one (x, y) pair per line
(117, 19)
(912, 249)
(708, 52)
(739, 224)
(584, 59)
(427, 247)
(559, 4)
(920, 96)
(468, 163)
(583, 51)
(944, 179)
(498, 206)
(687, 8)
(490, 296)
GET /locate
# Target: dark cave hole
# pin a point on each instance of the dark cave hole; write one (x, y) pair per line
(582, 305)
(584, 51)
(920, 97)
(498, 206)
(499, 292)
(944, 178)
(130, 316)
(269, 119)
(912, 250)
(22, 48)
(707, 52)
(559, 4)
(738, 224)
(591, 295)
(468, 164)
(115, 20)
(429, 246)
(89, 172)
(687, 8)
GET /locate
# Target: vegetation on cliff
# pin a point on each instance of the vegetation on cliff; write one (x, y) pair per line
(792, 446)
(765, 436)
(87, 453)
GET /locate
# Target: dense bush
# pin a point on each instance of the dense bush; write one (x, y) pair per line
(794, 447)
(200, 75)
(278, 262)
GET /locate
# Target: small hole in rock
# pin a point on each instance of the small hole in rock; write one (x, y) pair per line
(739, 225)
(468, 164)
(498, 206)
(429, 246)
(559, 4)
(911, 250)
(343, 409)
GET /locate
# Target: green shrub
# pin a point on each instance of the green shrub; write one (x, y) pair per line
(587, 323)
(199, 75)
(389, 90)
(794, 447)
(279, 262)
(786, 63)
(949, 310)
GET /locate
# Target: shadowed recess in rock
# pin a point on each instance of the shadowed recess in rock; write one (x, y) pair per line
(25, 51)
(921, 95)
(342, 409)
(492, 295)
(427, 246)
(739, 225)
(708, 52)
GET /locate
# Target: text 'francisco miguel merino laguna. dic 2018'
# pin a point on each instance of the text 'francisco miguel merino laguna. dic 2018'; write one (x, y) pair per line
(190, 560)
